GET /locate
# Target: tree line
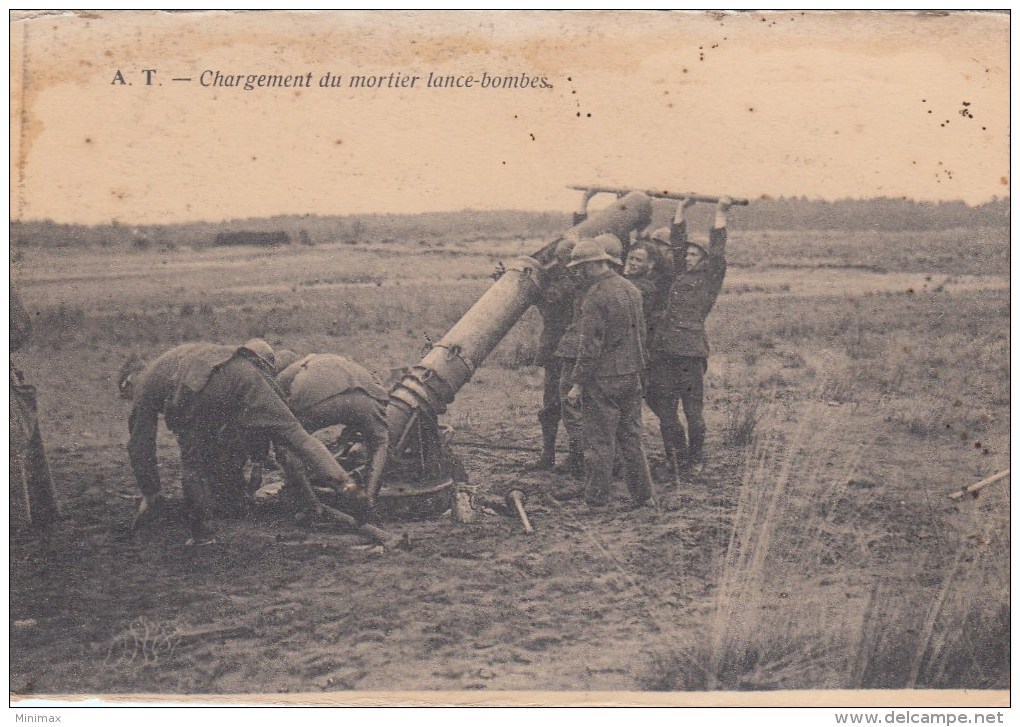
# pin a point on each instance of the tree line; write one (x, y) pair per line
(466, 226)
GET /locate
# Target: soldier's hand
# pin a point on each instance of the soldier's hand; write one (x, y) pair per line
(574, 395)
(499, 272)
(687, 203)
(725, 203)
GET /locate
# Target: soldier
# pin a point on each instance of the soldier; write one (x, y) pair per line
(326, 389)
(565, 356)
(679, 352)
(556, 308)
(218, 401)
(640, 270)
(607, 375)
(30, 482)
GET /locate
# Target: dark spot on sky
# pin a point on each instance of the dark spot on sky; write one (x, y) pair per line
(569, 78)
(751, 109)
(254, 159)
(589, 116)
(88, 139)
(532, 136)
(339, 142)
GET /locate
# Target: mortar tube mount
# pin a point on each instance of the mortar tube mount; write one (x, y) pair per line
(426, 390)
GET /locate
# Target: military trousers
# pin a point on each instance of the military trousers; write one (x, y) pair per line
(569, 413)
(549, 416)
(353, 409)
(611, 415)
(32, 495)
(212, 473)
(672, 381)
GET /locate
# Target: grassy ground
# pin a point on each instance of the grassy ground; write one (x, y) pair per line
(817, 550)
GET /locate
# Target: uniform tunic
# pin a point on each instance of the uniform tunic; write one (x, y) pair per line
(215, 400)
(557, 302)
(610, 362)
(324, 390)
(680, 347)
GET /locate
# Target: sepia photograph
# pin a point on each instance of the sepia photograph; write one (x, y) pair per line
(601, 358)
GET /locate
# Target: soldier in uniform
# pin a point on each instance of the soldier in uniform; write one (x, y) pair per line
(220, 402)
(324, 390)
(679, 351)
(556, 307)
(608, 373)
(31, 486)
(641, 271)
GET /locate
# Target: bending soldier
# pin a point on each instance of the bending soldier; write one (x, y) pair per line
(324, 390)
(217, 400)
(679, 351)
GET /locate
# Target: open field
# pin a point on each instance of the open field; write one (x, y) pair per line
(856, 379)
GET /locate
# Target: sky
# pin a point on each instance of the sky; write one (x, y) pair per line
(828, 105)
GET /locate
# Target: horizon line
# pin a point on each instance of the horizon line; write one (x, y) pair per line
(763, 198)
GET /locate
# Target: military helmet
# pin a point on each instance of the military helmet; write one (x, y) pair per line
(661, 235)
(284, 358)
(564, 247)
(589, 250)
(612, 246)
(700, 246)
(262, 351)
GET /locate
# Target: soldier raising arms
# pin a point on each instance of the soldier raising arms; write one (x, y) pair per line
(679, 351)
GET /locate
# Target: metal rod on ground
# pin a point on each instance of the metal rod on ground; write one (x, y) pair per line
(662, 194)
(517, 498)
(958, 495)
(370, 531)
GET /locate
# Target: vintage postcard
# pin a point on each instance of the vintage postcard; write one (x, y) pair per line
(581, 357)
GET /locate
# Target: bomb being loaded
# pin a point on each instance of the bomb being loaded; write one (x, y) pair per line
(422, 472)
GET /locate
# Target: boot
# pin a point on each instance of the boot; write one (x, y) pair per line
(696, 462)
(673, 466)
(547, 459)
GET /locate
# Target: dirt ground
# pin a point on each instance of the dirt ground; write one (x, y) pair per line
(817, 549)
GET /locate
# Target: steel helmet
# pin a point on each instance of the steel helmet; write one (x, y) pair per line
(613, 247)
(564, 248)
(262, 351)
(661, 235)
(700, 245)
(284, 358)
(589, 250)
